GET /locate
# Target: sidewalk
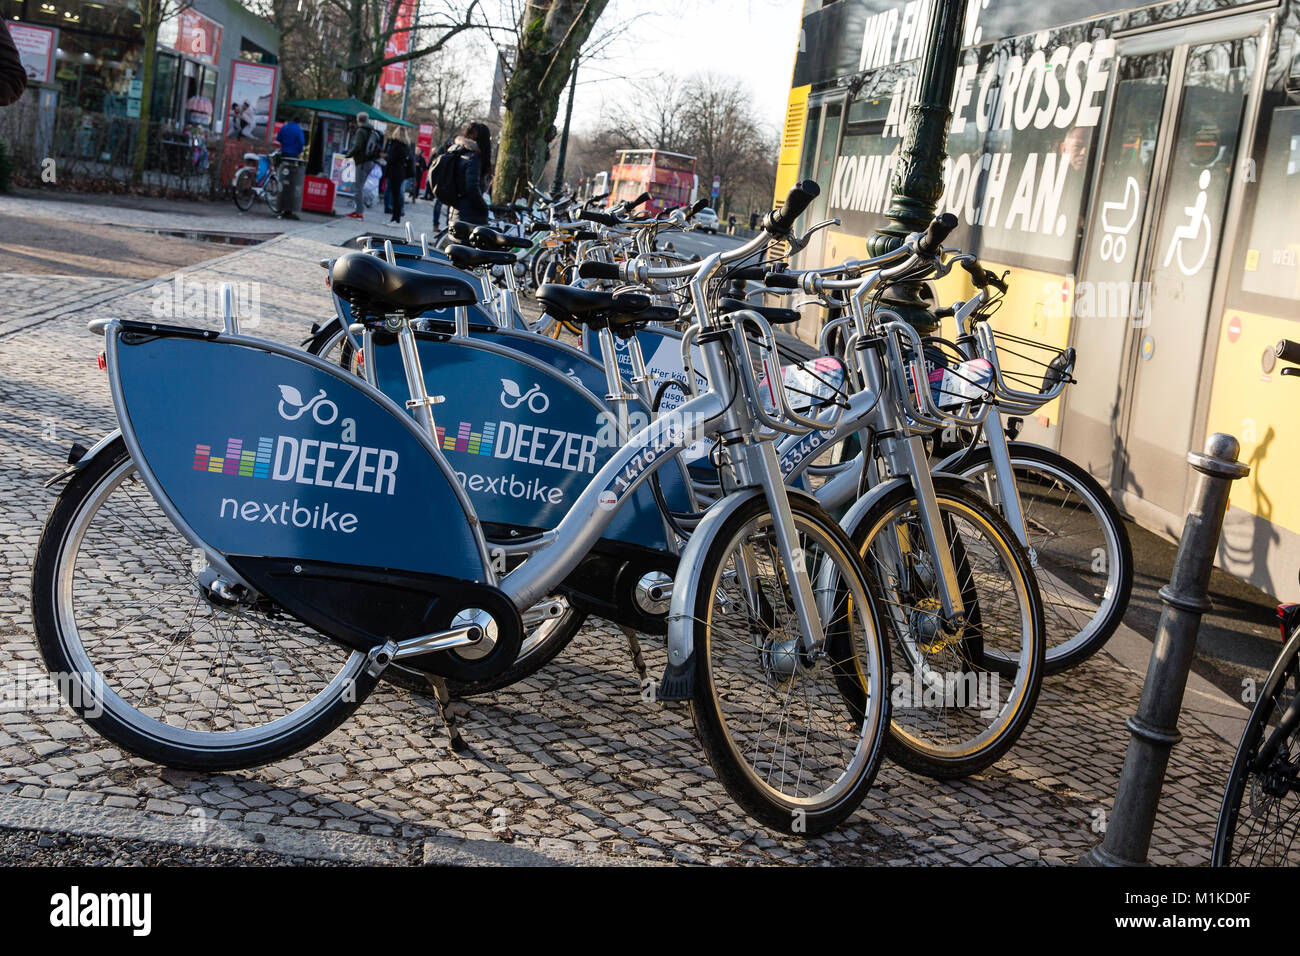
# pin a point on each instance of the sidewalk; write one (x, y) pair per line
(572, 761)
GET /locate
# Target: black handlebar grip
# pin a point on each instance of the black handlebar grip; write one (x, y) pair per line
(599, 270)
(643, 198)
(935, 234)
(696, 207)
(781, 280)
(1288, 351)
(604, 218)
(779, 221)
(539, 226)
(748, 272)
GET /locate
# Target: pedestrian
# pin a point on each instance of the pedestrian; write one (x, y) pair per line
(291, 141)
(731, 224)
(429, 193)
(367, 145)
(13, 75)
(399, 169)
(473, 151)
(753, 220)
(421, 169)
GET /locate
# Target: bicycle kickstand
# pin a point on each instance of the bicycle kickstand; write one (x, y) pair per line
(452, 711)
(634, 645)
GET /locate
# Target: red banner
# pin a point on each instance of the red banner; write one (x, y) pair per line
(394, 76)
(424, 142)
(199, 37)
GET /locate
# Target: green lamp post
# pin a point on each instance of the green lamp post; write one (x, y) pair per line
(918, 174)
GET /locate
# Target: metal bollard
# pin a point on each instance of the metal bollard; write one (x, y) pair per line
(1154, 727)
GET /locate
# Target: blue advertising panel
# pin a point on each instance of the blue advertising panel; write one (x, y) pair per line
(264, 454)
(523, 439)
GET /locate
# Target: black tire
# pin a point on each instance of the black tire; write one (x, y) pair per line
(1066, 574)
(62, 643)
(242, 188)
(1259, 820)
(272, 191)
(908, 606)
(855, 656)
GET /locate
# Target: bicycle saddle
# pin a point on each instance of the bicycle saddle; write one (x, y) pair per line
(463, 257)
(375, 287)
(620, 310)
(484, 238)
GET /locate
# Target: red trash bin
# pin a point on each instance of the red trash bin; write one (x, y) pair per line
(318, 194)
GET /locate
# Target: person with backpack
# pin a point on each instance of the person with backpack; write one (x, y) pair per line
(367, 144)
(460, 175)
(400, 168)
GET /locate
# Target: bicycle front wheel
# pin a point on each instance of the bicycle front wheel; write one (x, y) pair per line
(963, 690)
(796, 738)
(1077, 544)
(155, 658)
(1259, 821)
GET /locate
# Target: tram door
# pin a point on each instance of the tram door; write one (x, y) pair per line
(1169, 165)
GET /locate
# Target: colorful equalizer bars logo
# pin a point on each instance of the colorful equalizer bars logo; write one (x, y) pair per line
(238, 460)
(469, 442)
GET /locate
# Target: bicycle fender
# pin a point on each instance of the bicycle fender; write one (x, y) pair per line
(679, 674)
(297, 479)
(86, 458)
(859, 508)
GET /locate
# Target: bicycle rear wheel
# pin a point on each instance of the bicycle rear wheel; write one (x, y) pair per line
(156, 658)
(962, 694)
(795, 740)
(243, 188)
(1259, 821)
(1077, 543)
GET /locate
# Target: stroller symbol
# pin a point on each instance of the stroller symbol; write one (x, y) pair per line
(1114, 239)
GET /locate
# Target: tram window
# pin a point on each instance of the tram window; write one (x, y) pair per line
(1021, 152)
(1271, 264)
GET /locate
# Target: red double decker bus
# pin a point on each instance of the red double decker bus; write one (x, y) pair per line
(669, 178)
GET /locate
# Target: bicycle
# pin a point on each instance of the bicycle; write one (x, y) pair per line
(261, 182)
(1259, 819)
(964, 751)
(266, 623)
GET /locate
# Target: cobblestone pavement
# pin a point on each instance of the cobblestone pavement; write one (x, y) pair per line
(571, 759)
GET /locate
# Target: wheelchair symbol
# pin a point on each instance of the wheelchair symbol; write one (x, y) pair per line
(537, 400)
(1198, 223)
(1115, 229)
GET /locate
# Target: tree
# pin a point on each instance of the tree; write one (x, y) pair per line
(443, 96)
(718, 123)
(706, 116)
(371, 24)
(550, 34)
(152, 15)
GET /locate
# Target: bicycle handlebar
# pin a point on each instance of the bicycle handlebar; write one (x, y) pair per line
(779, 222)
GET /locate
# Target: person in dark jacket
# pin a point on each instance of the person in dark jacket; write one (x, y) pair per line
(399, 168)
(13, 75)
(474, 166)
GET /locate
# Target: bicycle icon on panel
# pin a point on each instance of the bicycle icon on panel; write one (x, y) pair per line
(1198, 223)
(512, 397)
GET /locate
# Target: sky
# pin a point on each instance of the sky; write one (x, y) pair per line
(753, 40)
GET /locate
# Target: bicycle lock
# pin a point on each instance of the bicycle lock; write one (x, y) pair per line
(1154, 728)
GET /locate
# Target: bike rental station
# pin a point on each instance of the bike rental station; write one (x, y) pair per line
(1138, 171)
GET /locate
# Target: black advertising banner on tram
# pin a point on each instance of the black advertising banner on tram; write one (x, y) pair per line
(852, 36)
